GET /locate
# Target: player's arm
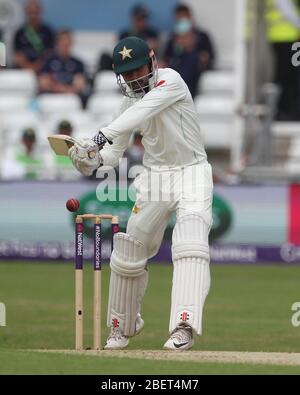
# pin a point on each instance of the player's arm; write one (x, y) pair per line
(166, 93)
(112, 152)
(159, 98)
(103, 154)
(109, 155)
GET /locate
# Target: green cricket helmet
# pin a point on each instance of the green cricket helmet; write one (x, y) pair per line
(132, 53)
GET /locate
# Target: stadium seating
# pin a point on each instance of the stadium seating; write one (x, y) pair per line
(25, 119)
(103, 107)
(216, 119)
(58, 103)
(81, 121)
(217, 82)
(105, 81)
(89, 45)
(13, 127)
(213, 106)
(18, 82)
(14, 103)
(76, 118)
(216, 108)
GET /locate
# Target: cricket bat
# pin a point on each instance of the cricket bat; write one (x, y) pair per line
(61, 143)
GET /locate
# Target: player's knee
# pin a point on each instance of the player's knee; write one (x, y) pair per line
(129, 257)
(136, 229)
(190, 238)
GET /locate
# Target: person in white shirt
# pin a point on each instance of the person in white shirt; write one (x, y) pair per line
(158, 103)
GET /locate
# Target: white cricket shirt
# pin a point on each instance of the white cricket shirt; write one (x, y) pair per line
(167, 119)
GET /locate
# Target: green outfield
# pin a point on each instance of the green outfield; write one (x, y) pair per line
(248, 309)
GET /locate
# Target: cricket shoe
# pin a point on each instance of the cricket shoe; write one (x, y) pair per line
(117, 340)
(181, 338)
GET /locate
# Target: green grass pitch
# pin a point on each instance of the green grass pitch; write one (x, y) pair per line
(248, 309)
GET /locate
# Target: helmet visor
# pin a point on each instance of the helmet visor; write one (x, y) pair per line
(137, 88)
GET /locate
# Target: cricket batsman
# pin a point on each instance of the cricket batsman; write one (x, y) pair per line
(159, 105)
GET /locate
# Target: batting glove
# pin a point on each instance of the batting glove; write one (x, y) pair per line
(101, 140)
(82, 162)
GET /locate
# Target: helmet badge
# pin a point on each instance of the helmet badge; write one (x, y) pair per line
(125, 53)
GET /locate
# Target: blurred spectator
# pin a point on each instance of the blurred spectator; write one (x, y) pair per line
(283, 29)
(139, 28)
(23, 161)
(34, 40)
(64, 127)
(189, 50)
(62, 73)
(28, 151)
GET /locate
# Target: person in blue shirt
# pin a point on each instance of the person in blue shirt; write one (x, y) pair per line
(140, 27)
(34, 40)
(189, 50)
(63, 73)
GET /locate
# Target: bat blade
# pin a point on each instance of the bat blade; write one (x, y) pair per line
(61, 143)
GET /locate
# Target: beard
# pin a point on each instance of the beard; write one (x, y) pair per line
(140, 86)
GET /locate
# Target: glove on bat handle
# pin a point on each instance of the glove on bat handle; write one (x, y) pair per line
(100, 140)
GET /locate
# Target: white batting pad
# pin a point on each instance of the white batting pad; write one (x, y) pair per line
(2, 315)
(191, 282)
(128, 282)
(191, 275)
(190, 237)
(129, 256)
(125, 296)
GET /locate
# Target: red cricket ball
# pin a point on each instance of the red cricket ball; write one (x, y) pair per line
(72, 205)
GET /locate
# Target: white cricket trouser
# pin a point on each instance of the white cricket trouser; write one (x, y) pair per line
(150, 217)
(188, 192)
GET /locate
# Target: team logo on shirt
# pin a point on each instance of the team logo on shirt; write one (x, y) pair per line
(125, 53)
(136, 209)
(161, 82)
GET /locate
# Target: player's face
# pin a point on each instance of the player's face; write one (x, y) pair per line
(136, 83)
(137, 79)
